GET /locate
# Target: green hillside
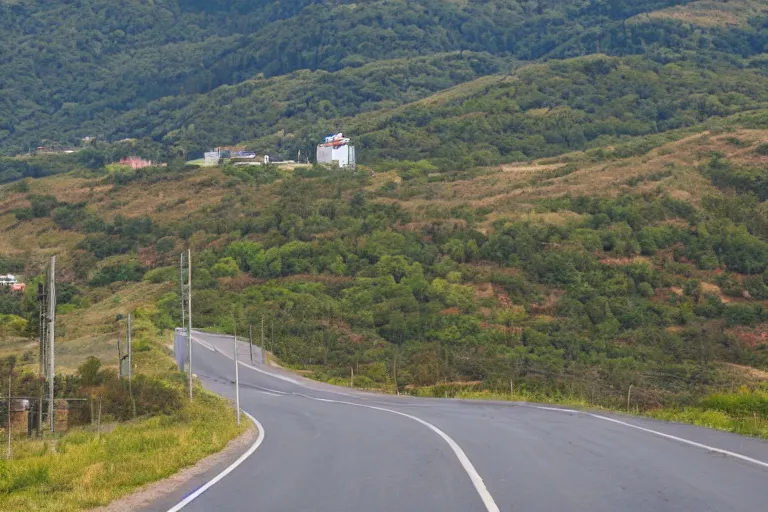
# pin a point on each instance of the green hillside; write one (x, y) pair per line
(71, 70)
(572, 277)
(548, 109)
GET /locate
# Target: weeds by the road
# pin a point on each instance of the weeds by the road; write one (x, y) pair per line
(85, 468)
(744, 412)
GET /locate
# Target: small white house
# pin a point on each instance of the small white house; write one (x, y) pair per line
(7, 280)
(212, 158)
(336, 151)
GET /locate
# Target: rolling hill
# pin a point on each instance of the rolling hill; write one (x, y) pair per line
(575, 275)
(95, 68)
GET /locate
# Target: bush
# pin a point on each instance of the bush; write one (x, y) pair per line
(152, 396)
(115, 273)
(41, 206)
(162, 275)
(741, 404)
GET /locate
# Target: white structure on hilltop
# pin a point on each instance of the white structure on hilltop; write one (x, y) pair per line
(7, 280)
(212, 158)
(335, 150)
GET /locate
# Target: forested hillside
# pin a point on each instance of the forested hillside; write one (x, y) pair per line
(70, 69)
(575, 276)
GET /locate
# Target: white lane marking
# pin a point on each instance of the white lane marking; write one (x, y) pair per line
(477, 480)
(683, 440)
(186, 501)
(206, 345)
(270, 374)
(657, 433)
(269, 393)
(556, 409)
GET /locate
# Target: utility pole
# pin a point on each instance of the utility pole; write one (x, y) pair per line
(250, 340)
(394, 372)
(237, 379)
(189, 318)
(43, 368)
(8, 455)
(130, 352)
(130, 367)
(181, 284)
(262, 339)
(51, 334)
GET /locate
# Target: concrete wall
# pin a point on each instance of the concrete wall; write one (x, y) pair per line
(343, 156)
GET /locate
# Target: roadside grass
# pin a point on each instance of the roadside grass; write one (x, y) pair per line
(744, 412)
(84, 468)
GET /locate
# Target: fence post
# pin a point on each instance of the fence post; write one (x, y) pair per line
(629, 396)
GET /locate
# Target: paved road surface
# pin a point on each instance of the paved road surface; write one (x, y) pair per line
(331, 449)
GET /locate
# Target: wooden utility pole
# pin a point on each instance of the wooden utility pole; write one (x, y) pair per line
(262, 338)
(250, 340)
(51, 320)
(189, 318)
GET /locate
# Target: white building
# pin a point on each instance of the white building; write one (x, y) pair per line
(7, 280)
(336, 151)
(212, 158)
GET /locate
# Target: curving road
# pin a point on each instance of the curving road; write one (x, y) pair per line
(331, 449)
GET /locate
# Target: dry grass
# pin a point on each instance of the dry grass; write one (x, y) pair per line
(709, 13)
(92, 331)
(88, 469)
(511, 193)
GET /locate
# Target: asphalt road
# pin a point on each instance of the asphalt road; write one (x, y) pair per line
(331, 449)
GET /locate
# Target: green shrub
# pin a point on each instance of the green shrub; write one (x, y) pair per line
(162, 275)
(741, 404)
(115, 273)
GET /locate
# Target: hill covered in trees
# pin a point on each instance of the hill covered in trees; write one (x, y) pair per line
(574, 276)
(113, 69)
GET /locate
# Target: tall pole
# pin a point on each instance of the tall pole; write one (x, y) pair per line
(130, 367)
(8, 455)
(250, 341)
(237, 379)
(262, 339)
(43, 367)
(130, 353)
(51, 331)
(181, 284)
(189, 318)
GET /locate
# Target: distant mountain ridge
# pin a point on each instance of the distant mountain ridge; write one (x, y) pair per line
(73, 69)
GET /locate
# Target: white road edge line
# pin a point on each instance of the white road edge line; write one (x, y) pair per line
(269, 374)
(657, 433)
(685, 441)
(477, 480)
(544, 408)
(186, 501)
